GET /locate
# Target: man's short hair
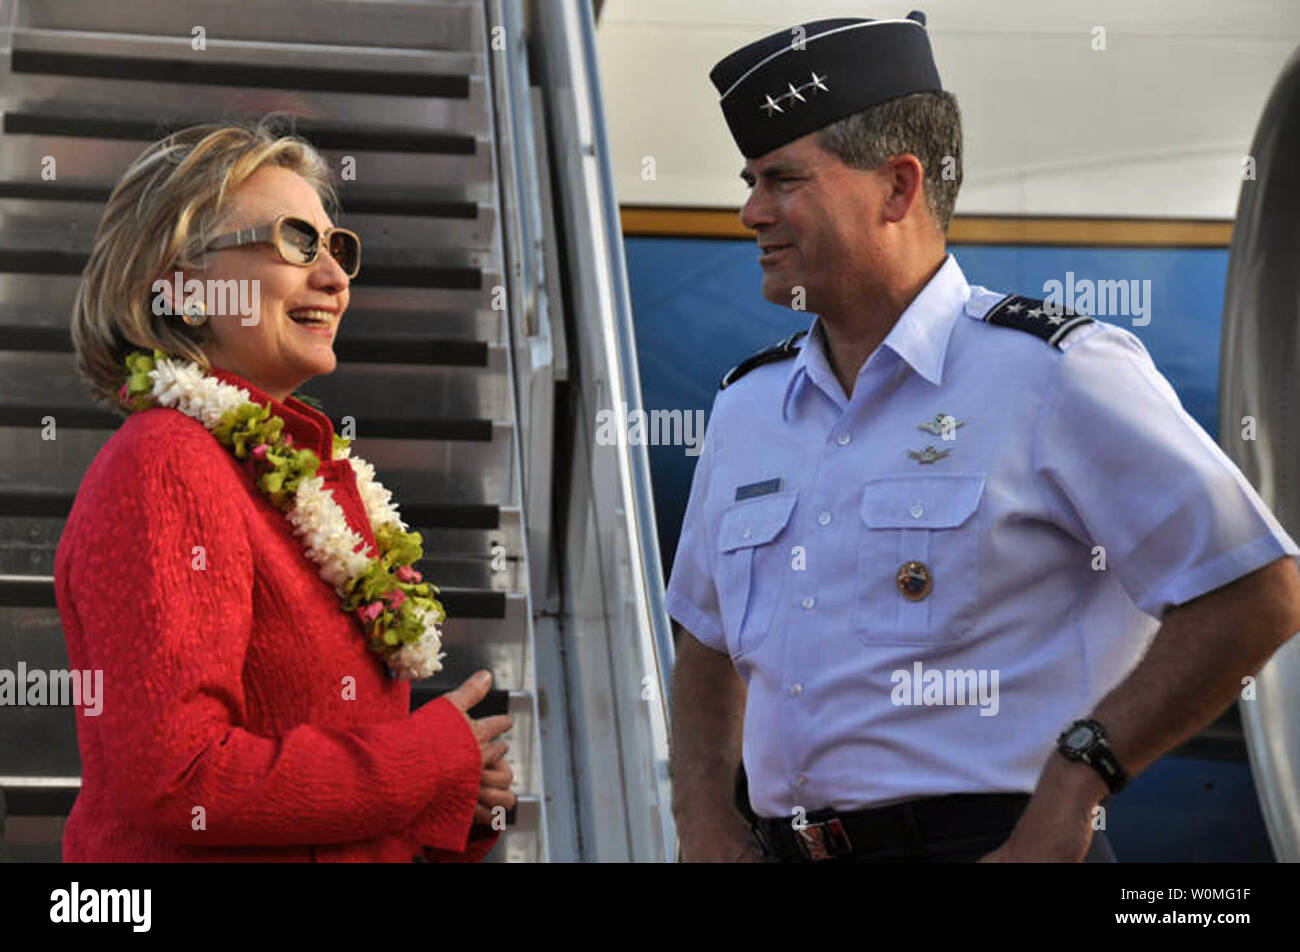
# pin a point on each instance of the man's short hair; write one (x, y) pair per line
(926, 125)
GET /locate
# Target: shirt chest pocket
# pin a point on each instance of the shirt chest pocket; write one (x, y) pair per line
(926, 530)
(750, 568)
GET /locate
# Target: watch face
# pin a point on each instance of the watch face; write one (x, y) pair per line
(1079, 738)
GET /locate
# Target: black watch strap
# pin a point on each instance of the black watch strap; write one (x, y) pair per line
(1102, 759)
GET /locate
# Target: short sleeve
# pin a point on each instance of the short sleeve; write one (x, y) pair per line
(692, 597)
(1131, 471)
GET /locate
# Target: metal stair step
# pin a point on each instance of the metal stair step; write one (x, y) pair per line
(410, 24)
(419, 471)
(445, 471)
(355, 343)
(383, 401)
(55, 504)
(483, 327)
(144, 76)
(466, 546)
(420, 327)
(378, 427)
(448, 226)
(355, 200)
(40, 796)
(323, 135)
(37, 591)
(191, 70)
(58, 261)
(94, 158)
(41, 191)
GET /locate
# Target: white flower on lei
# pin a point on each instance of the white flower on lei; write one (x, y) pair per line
(326, 536)
(377, 500)
(184, 387)
(422, 658)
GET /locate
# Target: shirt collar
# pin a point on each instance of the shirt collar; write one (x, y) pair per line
(309, 428)
(919, 337)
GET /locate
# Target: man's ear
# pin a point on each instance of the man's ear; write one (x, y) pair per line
(905, 182)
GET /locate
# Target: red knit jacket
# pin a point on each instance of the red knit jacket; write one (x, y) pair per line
(243, 716)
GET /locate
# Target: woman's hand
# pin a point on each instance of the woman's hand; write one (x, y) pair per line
(494, 781)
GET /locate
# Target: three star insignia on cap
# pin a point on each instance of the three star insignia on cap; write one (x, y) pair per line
(871, 61)
(772, 106)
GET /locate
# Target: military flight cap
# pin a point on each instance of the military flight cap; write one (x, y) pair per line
(796, 81)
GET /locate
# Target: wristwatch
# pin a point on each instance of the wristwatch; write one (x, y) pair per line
(1085, 740)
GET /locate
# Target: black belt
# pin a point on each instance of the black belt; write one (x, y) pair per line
(900, 827)
(826, 834)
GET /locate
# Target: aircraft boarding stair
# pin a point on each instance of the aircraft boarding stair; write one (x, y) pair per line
(491, 288)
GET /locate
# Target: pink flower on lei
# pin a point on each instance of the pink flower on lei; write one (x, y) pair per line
(368, 613)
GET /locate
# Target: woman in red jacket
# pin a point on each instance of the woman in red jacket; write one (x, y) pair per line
(245, 585)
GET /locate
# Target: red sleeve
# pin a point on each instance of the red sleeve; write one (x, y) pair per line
(171, 642)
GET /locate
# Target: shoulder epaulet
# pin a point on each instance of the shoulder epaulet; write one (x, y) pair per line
(1051, 323)
(781, 351)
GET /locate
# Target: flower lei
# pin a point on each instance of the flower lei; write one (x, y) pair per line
(395, 606)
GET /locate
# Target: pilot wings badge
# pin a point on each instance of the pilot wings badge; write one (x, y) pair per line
(940, 423)
(928, 455)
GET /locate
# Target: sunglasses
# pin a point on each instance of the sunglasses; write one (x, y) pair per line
(299, 242)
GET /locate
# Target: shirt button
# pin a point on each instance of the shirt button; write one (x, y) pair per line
(843, 439)
(746, 534)
(824, 519)
(808, 602)
(796, 689)
(917, 511)
(800, 779)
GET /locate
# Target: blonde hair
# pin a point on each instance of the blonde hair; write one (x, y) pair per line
(166, 209)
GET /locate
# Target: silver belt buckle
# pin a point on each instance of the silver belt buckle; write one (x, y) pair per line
(825, 840)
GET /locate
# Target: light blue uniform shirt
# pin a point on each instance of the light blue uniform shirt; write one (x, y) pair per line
(1026, 624)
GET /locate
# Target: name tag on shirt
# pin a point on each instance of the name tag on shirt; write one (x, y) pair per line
(758, 489)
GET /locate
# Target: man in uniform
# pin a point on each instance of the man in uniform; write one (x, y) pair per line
(955, 563)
